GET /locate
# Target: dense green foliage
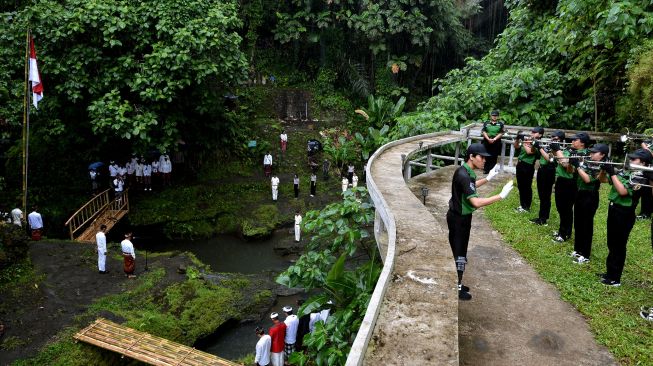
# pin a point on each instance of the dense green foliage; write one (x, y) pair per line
(13, 244)
(560, 66)
(140, 70)
(612, 313)
(337, 232)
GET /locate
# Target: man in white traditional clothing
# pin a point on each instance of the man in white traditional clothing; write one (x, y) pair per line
(262, 348)
(267, 164)
(101, 242)
(298, 223)
(35, 223)
(354, 181)
(275, 186)
(284, 141)
(345, 184)
(292, 324)
(129, 255)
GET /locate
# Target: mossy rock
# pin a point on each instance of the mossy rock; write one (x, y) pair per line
(262, 222)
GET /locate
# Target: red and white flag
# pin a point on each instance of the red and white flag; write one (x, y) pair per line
(34, 75)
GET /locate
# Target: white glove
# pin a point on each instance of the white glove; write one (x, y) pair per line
(493, 173)
(506, 190)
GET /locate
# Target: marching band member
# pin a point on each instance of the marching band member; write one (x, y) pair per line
(526, 168)
(566, 186)
(546, 177)
(587, 201)
(492, 131)
(621, 217)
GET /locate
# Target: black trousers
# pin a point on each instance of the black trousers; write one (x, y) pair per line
(313, 188)
(525, 173)
(546, 176)
(587, 202)
(296, 188)
(644, 193)
(565, 196)
(494, 150)
(459, 229)
(620, 222)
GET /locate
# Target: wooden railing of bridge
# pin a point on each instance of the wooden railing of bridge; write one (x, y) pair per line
(103, 208)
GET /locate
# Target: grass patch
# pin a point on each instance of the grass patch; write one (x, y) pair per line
(612, 313)
(181, 311)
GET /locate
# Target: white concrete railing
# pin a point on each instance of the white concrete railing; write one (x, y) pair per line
(384, 222)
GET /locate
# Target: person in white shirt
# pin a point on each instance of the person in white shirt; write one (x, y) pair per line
(292, 323)
(313, 184)
(113, 169)
(138, 172)
(284, 141)
(165, 167)
(354, 181)
(298, 223)
(350, 172)
(262, 348)
(275, 187)
(345, 183)
(101, 242)
(155, 171)
(147, 176)
(118, 187)
(131, 169)
(93, 174)
(35, 223)
(17, 216)
(295, 184)
(129, 255)
(267, 164)
(122, 171)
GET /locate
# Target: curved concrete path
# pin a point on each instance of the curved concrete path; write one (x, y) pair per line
(514, 318)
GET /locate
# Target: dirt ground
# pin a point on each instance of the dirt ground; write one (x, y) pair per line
(70, 283)
(514, 317)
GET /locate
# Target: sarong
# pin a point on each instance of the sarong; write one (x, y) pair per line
(268, 169)
(129, 264)
(36, 234)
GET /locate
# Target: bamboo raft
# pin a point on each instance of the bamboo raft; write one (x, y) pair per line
(145, 347)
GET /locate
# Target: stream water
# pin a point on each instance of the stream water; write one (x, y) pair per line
(228, 253)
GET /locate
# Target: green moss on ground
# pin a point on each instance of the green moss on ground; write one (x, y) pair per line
(182, 312)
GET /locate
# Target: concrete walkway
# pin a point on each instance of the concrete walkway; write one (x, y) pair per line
(514, 318)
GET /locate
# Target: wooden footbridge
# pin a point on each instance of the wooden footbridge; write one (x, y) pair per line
(103, 208)
(145, 347)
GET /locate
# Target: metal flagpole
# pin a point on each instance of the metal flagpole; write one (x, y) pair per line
(26, 123)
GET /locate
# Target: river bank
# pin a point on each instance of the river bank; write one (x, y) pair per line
(61, 292)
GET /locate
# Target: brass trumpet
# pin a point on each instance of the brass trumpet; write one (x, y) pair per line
(634, 137)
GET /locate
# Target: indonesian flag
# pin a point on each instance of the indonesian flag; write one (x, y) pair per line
(34, 75)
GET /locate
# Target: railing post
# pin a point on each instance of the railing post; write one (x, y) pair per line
(429, 160)
(457, 155)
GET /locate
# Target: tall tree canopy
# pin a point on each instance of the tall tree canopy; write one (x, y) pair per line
(147, 71)
(559, 63)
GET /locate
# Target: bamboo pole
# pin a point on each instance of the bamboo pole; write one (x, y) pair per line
(26, 121)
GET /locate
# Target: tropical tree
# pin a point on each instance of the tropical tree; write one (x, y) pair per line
(143, 71)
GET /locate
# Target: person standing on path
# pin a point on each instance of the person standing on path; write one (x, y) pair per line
(283, 137)
(295, 183)
(292, 323)
(587, 201)
(313, 184)
(165, 167)
(492, 132)
(546, 177)
(526, 167)
(350, 173)
(278, 335)
(263, 345)
(101, 249)
(267, 164)
(566, 186)
(298, 228)
(275, 186)
(325, 169)
(129, 255)
(464, 201)
(354, 181)
(621, 217)
(35, 223)
(147, 175)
